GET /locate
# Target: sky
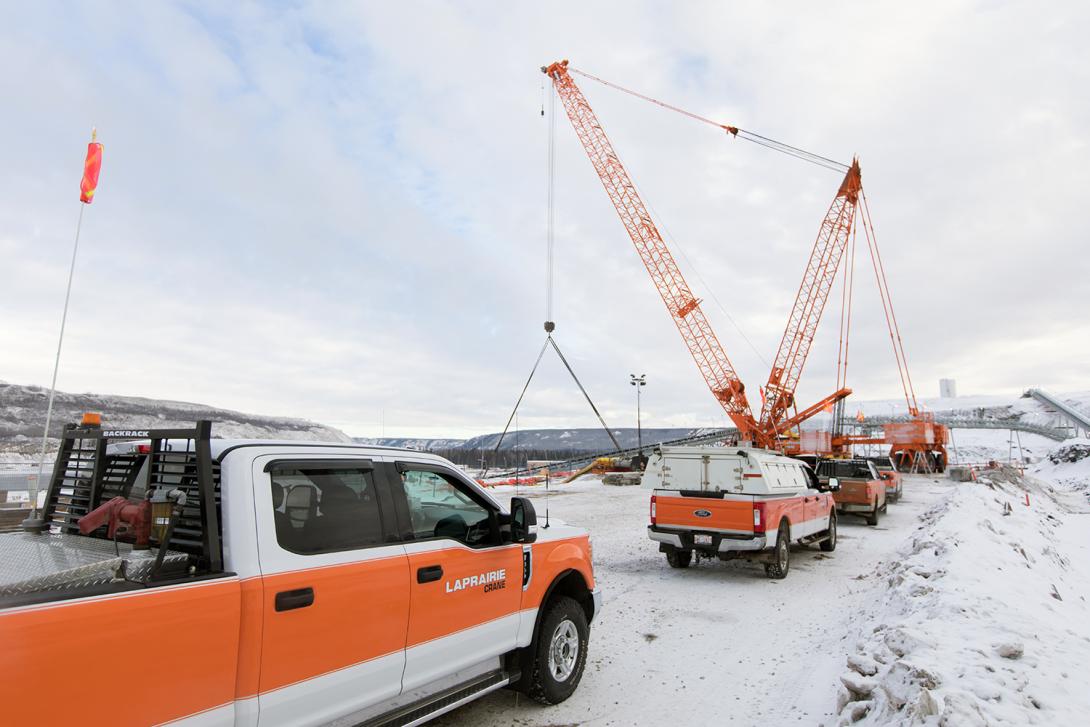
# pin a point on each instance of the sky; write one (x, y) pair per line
(337, 211)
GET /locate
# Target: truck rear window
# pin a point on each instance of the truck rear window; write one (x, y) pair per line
(846, 470)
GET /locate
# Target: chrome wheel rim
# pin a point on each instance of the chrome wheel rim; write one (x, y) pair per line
(832, 530)
(563, 650)
(783, 554)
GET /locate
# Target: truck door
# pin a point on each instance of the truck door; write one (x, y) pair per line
(816, 503)
(466, 583)
(335, 589)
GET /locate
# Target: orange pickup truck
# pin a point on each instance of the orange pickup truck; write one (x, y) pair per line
(726, 503)
(862, 490)
(888, 472)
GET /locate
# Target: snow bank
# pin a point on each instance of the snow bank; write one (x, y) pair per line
(982, 619)
(1068, 465)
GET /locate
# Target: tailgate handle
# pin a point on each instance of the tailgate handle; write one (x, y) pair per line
(429, 573)
(299, 598)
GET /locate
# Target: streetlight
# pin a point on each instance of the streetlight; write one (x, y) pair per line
(639, 382)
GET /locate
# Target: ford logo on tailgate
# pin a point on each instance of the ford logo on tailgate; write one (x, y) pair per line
(702, 513)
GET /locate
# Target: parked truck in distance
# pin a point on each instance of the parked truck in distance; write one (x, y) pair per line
(726, 503)
(176, 578)
(862, 491)
(888, 472)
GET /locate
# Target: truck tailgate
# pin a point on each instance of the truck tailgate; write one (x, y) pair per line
(730, 513)
(854, 491)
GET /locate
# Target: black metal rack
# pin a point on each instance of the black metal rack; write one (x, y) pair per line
(86, 475)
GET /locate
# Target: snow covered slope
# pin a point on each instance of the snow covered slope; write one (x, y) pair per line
(1068, 466)
(22, 416)
(983, 617)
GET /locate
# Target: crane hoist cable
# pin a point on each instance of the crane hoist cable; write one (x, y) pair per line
(735, 131)
(550, 325)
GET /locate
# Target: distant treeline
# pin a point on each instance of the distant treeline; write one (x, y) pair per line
(507, 459)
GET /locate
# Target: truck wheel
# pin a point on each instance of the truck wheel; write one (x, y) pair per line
(829, 544)
(561, 652)
(679, 558)
(781, 556)
(872, 518)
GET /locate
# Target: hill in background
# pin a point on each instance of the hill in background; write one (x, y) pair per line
(22, 417)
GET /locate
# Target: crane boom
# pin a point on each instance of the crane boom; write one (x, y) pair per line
(682, 305)
(817, 281)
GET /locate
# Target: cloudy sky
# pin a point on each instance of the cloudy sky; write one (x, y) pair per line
(337, 211)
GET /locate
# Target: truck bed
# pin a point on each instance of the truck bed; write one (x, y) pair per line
(58, 562)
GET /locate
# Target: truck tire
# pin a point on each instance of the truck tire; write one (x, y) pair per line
(679, 558)
(872, 518)
(781, 555)
(561, 652)
(829, 544)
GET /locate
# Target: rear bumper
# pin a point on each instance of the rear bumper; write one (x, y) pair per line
(683, 540)
(855, 507)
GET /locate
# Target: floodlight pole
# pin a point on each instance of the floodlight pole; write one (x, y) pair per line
(639, 382)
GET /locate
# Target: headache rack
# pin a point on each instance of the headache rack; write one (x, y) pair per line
(87, 474)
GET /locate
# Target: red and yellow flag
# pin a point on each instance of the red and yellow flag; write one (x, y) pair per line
(91, 167)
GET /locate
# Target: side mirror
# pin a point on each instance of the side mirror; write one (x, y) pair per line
(523, 520)
(834, 484)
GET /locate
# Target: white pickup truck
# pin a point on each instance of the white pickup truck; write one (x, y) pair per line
(727, 502)
(173, 578)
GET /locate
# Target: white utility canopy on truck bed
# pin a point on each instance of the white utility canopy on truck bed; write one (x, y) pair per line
(724, 469)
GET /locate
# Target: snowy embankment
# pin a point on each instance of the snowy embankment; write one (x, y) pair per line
(982, 617)
(1068, 466)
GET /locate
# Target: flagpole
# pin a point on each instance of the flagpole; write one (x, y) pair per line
(88, 183)
(56, 368)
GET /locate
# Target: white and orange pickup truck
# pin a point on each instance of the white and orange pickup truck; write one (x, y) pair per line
(725, 503)
(173, 578)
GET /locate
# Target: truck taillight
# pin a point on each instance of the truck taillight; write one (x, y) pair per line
(653, 522)
(758, 517)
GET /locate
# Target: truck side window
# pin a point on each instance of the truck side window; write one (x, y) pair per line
(439, 508)
(325, 509)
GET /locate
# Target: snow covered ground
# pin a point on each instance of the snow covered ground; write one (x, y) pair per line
(949, 612)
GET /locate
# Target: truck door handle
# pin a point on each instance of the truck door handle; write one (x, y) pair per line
(429, 573)
(299, 598)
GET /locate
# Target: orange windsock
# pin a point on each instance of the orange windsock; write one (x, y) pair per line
(91, 167)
